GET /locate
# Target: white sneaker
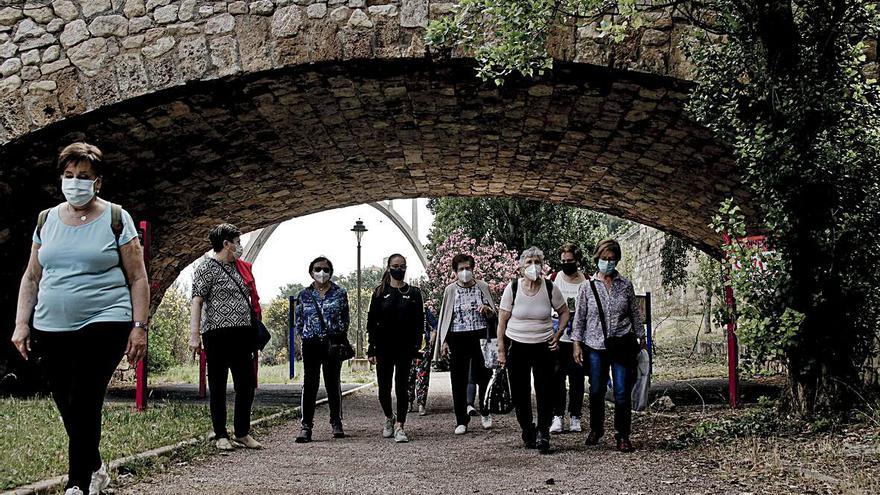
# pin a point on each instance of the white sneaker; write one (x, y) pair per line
(461, 429)
(248, 441)
(487, 421)
(400, 435)
(422, 411)
(575, 424)
(471, 411)
(225, 444)
(388, 429)
(74, 490)
(100, 480)
(556, 427)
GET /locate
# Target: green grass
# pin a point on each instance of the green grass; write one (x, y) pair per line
(276, 374)
(34, 445)
(673, 359)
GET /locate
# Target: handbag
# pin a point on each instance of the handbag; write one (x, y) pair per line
(622, 348)
(498, 400)
(261, 335)
(338, 346)
(489, 345)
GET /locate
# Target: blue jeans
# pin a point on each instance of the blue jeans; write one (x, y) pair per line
(622, 379)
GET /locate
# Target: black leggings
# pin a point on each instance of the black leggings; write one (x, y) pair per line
(315, 355)
(523, 362)
(567, 368)
(394, 369)
(227, 349)
(78, 366)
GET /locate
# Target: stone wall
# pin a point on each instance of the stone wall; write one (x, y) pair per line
(641, 261)
(61, 58)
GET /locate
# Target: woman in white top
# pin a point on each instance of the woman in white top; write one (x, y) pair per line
(569, 281)
(526, 327)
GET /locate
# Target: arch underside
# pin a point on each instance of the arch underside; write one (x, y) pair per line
(259, 149)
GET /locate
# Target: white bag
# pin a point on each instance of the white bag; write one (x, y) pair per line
(490, 353)
(643, 382)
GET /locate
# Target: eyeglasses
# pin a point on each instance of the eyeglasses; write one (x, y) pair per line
(319, 269)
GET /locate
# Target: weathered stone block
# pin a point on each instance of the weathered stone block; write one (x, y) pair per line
(134, 8)
(131, 75)
(52, 67)
(74, 33)
(139, 24)
(10, 15)
(287, 21)
(316, 10)
(360, 19)
(187, 10)
(192, 56)
(51, 54)
(93, 7)
(224, 55)
(27, 29)
(414, 13)
(154, 4)
(237, 8)
(8, 49)
(42, 15)
(261, 7)
(220, 24)
(253, 43)
(65, 9)
(31, 57)
(8, 85)
(10, 67)
(44, 40)
(89, 56)
(159, 47)
(55, 25)
(166, 14)
(109, 25)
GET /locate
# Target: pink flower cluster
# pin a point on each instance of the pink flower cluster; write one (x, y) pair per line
(495, 264)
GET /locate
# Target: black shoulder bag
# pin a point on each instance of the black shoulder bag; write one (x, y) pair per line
(622, 348)
(338, 345)
(261, 335)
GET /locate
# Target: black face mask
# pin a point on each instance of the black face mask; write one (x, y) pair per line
(569, 268)
(397, 273)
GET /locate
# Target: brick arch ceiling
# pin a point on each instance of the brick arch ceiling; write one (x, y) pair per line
(254, 150)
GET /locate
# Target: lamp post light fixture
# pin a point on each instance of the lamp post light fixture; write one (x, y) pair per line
(359, 230)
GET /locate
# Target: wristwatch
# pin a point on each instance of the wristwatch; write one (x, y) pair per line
(140, 324)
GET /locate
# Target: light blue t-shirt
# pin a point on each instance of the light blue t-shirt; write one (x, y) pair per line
(82, 281)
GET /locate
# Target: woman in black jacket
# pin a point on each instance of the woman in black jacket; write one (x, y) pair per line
(394, 330)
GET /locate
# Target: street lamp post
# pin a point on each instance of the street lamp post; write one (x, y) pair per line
(359, 230)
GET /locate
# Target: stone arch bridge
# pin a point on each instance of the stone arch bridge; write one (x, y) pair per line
(254, 112)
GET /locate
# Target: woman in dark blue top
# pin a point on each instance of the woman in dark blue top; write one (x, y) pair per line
(321, 310)
(395, 327)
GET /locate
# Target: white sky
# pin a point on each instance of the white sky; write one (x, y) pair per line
(285, 257)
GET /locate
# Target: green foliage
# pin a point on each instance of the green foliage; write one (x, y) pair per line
(520, 223)
(371, 276)
(275, 319)
(169, 328)
(783, 85)
(674, 258)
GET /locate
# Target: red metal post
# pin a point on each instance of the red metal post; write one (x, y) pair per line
(202, 372)
(140, 395)
(732, 346)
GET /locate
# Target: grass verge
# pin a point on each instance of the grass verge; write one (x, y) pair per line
(275, 374)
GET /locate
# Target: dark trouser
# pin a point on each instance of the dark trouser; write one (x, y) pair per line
(228, 349)
(78, 366)
(315, 355)
(523, 361)
(466, 360)
(393, 369)
(623, 379)
(567, 368)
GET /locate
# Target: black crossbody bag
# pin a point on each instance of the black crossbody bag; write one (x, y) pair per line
(261, 335)
(338, 346)
(622, 348)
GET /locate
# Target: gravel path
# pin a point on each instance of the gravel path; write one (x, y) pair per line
(434, 462)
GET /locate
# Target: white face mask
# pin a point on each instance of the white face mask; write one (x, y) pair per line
(532, 272)
(321, 277)
(78, 192)
(465, 276)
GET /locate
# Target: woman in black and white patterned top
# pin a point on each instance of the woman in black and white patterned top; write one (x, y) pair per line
(226, 333)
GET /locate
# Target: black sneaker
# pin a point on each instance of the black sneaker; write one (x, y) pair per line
(338, 432)
(528, 438)
(542, 442)
(305, 435)
(624, 445)
(593, 438)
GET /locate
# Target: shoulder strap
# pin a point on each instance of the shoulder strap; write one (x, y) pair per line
(116, 221)
(246, 298)
(549, 285)
(514, 287)
(599, 308)
(320, 313)
(41, 221)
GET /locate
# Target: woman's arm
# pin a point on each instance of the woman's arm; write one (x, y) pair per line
(133, 263)
(195, 321)
(298, 316)
(564, 316)
(373, 315)
(27, 299)
(346, 313)
(579, 328)
(503, 318)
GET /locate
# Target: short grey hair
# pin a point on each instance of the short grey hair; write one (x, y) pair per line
(531, 252)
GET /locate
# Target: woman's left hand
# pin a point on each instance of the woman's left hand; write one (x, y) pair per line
(485, 310)
(553, 342)
(137, 345)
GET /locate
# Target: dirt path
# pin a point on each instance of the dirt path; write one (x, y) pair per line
(434, 462)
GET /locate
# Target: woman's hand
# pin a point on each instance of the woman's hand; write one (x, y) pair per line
(372, 360)
(578, 354)
(485, 310)
(21, 339)
(553, 342)
(444, 351)
(195, 344)
(502, 357)
(137, 345)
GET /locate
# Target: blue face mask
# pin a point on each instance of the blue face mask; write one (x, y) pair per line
(607, 267)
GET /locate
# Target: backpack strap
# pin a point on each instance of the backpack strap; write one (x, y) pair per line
(514, 286)
(549, 285)
(41, 221)
(116, 227)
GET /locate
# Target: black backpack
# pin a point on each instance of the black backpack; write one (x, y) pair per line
(514, 286)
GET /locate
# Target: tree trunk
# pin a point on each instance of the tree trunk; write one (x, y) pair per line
(707, 312)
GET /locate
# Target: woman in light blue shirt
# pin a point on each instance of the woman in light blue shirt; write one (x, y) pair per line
(86, 288)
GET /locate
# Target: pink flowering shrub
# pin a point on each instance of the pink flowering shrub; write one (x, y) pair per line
(495, 264)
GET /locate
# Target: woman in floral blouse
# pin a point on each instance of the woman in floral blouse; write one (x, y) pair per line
(622, 316)
(321, 310)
